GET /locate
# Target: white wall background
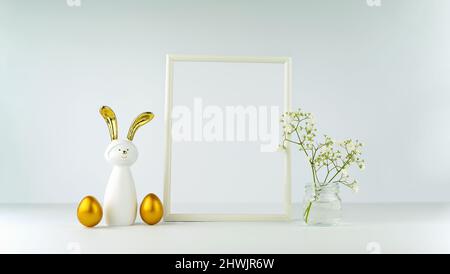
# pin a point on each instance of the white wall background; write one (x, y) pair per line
(377, 73)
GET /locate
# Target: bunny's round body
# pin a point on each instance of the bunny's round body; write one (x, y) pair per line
(120, 202)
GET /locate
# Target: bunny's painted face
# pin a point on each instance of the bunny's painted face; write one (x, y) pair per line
(121, 152)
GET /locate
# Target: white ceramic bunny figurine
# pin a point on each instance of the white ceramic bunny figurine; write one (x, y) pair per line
(120, 202)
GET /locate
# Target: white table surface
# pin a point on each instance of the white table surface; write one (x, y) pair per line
(386, 228)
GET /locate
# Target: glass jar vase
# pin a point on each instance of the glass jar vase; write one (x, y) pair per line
(322, 206)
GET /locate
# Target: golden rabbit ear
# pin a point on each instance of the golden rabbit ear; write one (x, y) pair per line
(141, 120)
(110, 118)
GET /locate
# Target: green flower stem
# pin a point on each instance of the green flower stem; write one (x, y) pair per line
(315, 186)
(339, 171)
(307, 211)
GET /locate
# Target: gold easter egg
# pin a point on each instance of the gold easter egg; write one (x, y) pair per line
(151, 209)
(89, 212)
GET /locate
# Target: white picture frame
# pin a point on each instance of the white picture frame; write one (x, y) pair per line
(171, 59)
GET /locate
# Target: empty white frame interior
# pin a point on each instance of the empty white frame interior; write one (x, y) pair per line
(222, 115)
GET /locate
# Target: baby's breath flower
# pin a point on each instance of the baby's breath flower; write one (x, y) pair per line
(336, 156)
(281, 148)
(362, 166)
(345, 171)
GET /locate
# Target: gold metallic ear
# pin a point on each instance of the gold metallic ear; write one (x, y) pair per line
(141, 120)
(110, 118)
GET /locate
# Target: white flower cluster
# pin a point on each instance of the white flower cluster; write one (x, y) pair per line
(330, 160)
(302, 124)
